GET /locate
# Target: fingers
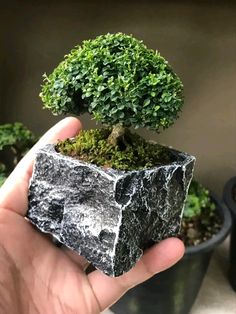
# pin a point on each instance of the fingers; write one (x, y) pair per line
(14, 192)
(108, 290)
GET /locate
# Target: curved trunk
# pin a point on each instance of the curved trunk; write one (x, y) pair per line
(117, 134)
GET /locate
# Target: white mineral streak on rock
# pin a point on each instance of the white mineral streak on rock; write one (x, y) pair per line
(186, 180)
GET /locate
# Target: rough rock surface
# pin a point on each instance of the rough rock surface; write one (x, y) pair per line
(106, 215)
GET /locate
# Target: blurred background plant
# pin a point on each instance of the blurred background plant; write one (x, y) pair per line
(198, 199)
(200, 218)
(2, 173)
(15, 140)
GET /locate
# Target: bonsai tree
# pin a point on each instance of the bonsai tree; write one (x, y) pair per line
(118, 80)
(15, 141)
(122, 193)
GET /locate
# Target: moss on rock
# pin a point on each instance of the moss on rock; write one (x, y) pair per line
(132, 152)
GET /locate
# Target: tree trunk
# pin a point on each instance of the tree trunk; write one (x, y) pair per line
(117, 133)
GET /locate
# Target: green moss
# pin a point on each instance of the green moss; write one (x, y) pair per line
(131, 153)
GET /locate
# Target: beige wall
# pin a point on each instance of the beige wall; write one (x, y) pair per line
(198, 39)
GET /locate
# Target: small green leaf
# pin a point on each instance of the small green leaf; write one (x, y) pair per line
(146, 102)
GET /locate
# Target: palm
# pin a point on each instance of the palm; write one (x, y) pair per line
(45, 279)
(50, 280)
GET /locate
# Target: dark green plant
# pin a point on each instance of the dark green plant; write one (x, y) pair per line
(17, 138)
(198, 199)
(15, 141)
(119, 80)
(3, 174)
(201, 220)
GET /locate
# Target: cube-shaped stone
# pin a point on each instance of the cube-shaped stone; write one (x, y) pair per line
(108, 216)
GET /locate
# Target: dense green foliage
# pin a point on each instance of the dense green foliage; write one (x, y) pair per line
(92, 146)
(118, 79)
(198, 199)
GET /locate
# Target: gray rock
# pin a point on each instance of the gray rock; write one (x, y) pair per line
(106, 215)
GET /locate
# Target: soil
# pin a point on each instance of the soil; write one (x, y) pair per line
(200, 229)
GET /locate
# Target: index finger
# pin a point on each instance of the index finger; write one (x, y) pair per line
(14, 192)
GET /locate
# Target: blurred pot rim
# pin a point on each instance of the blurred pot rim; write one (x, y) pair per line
(227, 195)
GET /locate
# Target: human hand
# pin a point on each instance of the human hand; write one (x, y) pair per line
(38, 277)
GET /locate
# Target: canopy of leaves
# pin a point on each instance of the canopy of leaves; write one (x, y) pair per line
(118, 79)
(198, 199)
(17, 136)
